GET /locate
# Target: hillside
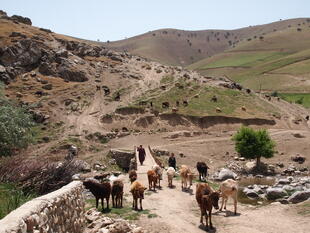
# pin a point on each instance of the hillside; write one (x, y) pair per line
(277, 61)
(180, 47)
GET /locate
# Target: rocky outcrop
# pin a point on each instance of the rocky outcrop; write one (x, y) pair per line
(122, 157)
(21, 19)
(59, 211)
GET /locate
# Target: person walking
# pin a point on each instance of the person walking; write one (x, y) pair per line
(141, 152)
(171, 161)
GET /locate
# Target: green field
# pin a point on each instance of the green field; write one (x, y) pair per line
(11, 198)
(299, 98)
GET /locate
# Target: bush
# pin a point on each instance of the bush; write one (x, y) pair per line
(15, 127)
(252, 144)
(274, 94)
(300, 100)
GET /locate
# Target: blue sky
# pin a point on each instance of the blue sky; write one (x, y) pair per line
(117, 19)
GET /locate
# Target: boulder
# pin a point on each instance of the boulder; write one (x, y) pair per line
(226, 174)
(21, 19)
(81, 165)
(122, 158)
(4, 76)
(284, 181)
(298, 159)
(72, 74)
(250, 193)
(299, 196)
(275, 193)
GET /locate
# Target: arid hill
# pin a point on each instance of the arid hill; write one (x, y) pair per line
(180, 47)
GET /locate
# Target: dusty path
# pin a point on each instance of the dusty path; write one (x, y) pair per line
(178, 212)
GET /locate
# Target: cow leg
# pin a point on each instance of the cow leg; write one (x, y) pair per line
(97, 200)
(222, 203)
(210, 222)
(141, 204)
(108, 201)
(113, 203)
(235, 203)
(102, 203)
(206, 216)
(201, 215)
(226, 199)
(122, 201)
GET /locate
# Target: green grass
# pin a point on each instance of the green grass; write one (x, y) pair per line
(300, 98)
(126, 212)
(243, 59)
(11, 198)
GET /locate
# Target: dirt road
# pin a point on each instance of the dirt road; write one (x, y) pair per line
(178, 212)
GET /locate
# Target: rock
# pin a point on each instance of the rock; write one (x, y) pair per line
(275, 193)
(289, 188)
(299, 196)
(284, 181)
(48, 86)
(76, 177)
(45, 30)
(47, 69)
(4, 76)
(250, 165)
(122, 158)
(250, 193)
(21, 19)
(83, 166)
(18, 34)
(226, 174)
(119, 227)
(72, 74)
(283, 201)
(298, 158)
(241, 159)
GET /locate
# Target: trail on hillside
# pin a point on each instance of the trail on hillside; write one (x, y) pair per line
(178, 211)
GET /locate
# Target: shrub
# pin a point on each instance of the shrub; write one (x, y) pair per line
(15, 127)
(274, 94)
(300, 100)
(252, 144)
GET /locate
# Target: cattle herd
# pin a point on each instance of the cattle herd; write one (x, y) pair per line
(206, 196)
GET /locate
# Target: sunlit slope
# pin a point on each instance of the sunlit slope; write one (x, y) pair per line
(180, 47)
(277, 61)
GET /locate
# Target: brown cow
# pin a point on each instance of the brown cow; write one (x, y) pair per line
(186, 176)
(117, 193)
(206, 199)
(137, 191)
(99, 190)
(152, 178)
(132, 175)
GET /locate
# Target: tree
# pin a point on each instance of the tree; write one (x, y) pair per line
(252, 144)
(15, 127)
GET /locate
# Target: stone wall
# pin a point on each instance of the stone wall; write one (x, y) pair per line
(59, 211)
